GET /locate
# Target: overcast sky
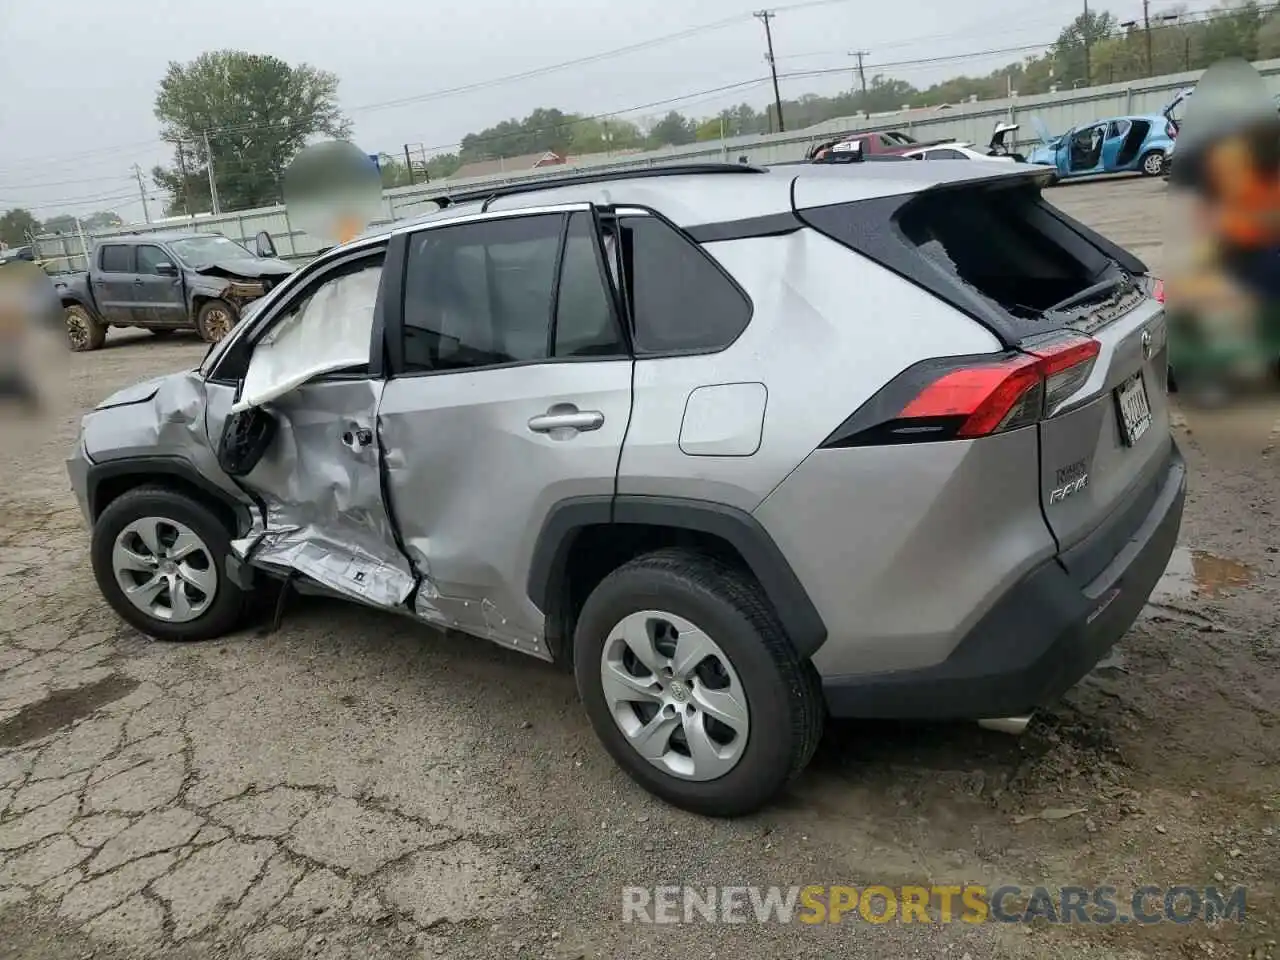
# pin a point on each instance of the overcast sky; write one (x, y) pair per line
(80, 76)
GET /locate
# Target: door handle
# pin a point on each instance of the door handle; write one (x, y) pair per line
(572, 418)
(138, 282)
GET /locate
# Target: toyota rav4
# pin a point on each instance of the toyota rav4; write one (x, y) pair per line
(744, 448)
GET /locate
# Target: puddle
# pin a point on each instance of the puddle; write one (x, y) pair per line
(1198, 573)
(61, 709)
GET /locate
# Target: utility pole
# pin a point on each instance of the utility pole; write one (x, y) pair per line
(765, 16)
(1146, 27)
(142, 192)
(408, 164)
(213, 180)
(1085, 38)
(862, 80)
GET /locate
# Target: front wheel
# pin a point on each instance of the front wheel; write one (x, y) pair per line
(159, 558)
(1153, 164)
(692, 685)
(215, 320)
(85, 332)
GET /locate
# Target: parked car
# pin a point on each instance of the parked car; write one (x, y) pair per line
(869, 143)
(1120, 144)
(629, 422)
(165, 282)
(955, 150)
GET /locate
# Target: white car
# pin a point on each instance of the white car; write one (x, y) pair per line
(953, 151)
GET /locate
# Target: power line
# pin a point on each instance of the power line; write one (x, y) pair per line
(898, 64)
(491, 82)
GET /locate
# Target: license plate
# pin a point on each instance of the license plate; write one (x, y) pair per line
(1134, 409)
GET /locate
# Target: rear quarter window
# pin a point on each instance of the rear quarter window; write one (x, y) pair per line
(680, 300)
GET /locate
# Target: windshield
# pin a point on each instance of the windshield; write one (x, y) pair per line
(200, 252)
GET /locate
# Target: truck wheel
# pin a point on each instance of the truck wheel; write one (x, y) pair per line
(692, 685)
(84, 331)
(215, 320)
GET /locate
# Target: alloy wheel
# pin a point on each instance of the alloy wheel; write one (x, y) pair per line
(675, 695)
(164, 569)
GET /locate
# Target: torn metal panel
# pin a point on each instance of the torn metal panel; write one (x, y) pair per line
(321, 485)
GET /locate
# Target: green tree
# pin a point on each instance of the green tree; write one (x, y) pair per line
(102, 219)
(62, 223)
(17, 225)
(1083, 33)
(674, 130)
(258, 112)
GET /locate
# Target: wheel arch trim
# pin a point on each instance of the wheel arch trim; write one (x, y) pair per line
(567, 518)
(157, 468)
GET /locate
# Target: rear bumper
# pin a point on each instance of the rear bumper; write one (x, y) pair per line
(1040, 639)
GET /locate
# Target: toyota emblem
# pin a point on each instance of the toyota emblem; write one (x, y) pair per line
(1146, 344)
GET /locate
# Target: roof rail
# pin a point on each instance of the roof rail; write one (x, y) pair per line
(603, 176)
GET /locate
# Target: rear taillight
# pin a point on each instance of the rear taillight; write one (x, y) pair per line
(1171, 130)
(1157, 290)
(962, 398)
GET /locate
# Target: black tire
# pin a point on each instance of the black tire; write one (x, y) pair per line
(85, 332)
(1152, 163)
(227, 610)
(215, 320)
(783, 691)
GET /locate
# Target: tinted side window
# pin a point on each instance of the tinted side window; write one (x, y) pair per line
(679, 299)
(480, 294)
(148, 257)
(946, 154)
(117, 258)
(585, 321)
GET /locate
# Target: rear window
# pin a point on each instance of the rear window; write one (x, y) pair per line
(993, 249)
(990, 240)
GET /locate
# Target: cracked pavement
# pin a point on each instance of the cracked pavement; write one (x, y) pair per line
(357, 785)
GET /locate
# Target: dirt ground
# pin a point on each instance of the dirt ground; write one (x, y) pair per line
(355, 785)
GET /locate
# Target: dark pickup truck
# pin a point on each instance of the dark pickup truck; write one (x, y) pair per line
(165, 282)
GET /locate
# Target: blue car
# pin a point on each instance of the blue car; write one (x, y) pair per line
(1137, 144)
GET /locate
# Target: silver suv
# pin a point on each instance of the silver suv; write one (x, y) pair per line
(744, 447)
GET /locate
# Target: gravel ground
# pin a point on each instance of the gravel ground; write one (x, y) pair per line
(355, 785)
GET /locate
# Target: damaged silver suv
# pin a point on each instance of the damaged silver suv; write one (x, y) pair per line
(744, 447)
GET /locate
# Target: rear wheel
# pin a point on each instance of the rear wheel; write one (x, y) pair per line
(215, 320)
(159, 558)
(692, 686)
(1153, 164)
(84, 331)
